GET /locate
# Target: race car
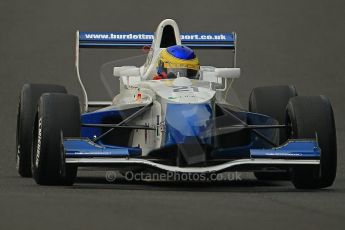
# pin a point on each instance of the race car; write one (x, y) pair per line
(170, 115)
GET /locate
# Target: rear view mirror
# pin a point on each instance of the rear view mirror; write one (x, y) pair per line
(127, 71)
(215, 75)
(212, 74)
(228, 72)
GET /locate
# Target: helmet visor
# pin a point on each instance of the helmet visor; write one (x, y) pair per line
(181, 70)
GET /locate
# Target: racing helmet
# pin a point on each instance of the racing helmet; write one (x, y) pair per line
(178, 61)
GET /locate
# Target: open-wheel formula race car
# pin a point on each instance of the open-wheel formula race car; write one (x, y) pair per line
(170, 117)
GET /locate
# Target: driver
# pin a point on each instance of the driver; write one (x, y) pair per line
(177, 61)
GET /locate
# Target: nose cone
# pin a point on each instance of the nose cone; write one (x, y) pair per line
(185, 121)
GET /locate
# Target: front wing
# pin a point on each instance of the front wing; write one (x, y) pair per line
(84, 152)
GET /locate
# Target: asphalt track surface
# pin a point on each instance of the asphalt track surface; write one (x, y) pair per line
(280, 42)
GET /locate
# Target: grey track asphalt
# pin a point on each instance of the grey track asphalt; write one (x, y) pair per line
(280, 42)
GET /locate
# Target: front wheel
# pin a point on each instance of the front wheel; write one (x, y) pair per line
(272, 101)
(27, 109)
(58, 116)
(312, 117)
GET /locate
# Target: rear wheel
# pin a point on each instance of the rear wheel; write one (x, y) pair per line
(272, 101)
(27, 109)
(312, 117)
(58, 116)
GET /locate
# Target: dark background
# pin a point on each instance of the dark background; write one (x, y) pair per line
(280, 42)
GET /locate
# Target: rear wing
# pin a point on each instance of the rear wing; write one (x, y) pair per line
(140, 40)
(133, 40)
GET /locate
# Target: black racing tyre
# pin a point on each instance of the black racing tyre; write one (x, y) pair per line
(27, 109)
(58, 116)
(272, 101)
(311, 117)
